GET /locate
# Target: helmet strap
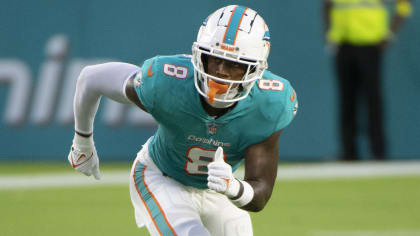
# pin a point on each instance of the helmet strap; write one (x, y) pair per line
(217, 104)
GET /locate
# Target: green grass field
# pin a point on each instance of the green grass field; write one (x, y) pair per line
(359, 206)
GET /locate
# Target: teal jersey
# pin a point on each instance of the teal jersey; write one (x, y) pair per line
(187, 137)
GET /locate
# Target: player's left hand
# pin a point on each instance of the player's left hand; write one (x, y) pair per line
(220, 177)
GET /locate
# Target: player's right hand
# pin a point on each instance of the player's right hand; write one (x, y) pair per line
(83, 156)
(220, 177)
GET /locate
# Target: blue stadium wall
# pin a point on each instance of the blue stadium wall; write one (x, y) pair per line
(44, 45)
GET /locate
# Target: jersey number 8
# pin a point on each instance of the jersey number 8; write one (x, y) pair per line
(269, 84)
(179, 72)
(198, 159)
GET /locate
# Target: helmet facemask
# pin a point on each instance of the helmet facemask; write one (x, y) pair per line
(234, 90)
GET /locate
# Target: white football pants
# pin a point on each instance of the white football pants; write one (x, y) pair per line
(166, 207)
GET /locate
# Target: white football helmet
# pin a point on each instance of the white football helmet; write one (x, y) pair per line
(234, 33)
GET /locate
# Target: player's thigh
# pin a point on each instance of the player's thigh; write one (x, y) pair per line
(225, 219)
(163, 204)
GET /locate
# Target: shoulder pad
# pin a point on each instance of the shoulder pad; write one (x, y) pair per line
(178, 66)
(278, 94)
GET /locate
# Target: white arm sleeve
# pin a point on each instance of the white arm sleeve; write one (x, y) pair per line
(109, 80)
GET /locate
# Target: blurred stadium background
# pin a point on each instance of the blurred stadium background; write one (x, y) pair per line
(45, 44)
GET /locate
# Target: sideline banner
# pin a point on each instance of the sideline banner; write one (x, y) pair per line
(37, 110)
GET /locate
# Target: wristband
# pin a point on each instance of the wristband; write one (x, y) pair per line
(245, 194)
(81, 139)
(83, 135)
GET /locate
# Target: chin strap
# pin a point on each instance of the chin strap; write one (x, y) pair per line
(217, 104)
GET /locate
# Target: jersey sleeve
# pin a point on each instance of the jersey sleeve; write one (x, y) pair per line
(289, 109)
(145, 84)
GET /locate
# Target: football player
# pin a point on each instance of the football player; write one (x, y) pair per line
(216, 108)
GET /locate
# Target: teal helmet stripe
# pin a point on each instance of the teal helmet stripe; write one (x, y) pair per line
(158, 216)
(233, 25)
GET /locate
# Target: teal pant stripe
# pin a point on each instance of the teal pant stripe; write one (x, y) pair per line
(154, 209)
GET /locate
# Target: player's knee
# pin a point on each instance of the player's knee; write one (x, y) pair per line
(240, 226)
(192, 228)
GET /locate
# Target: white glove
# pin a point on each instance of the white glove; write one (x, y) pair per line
(220, 177)
(83, 156)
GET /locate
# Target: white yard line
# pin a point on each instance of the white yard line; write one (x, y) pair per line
(366, 233)
(61, 180)
(289, 172)
(334, 170)
(350, 170)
